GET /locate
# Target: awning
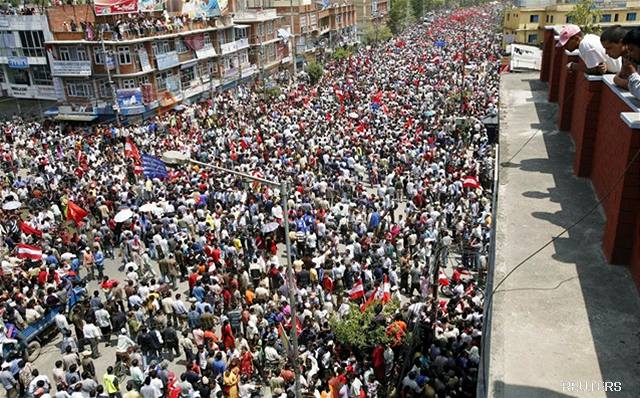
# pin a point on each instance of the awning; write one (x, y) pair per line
(76, 118)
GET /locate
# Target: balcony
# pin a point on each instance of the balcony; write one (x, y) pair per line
(70, 68)
(233, 46)
(604, 123)
(253, 15)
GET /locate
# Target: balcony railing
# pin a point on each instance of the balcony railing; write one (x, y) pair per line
(71, 68)
(227, 48)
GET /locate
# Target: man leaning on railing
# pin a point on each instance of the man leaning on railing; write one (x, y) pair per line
(628, 76)
(589, 49)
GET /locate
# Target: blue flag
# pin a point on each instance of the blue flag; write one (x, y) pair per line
(153, 167)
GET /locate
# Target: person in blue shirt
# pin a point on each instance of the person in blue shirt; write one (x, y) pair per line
(217, 365)
(98, 258)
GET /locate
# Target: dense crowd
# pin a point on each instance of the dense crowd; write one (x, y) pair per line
(390, 173)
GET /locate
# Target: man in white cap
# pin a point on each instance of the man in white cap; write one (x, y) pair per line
(590, 49)
(7, 380)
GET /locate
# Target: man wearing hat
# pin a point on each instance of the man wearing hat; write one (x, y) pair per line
(590, 49)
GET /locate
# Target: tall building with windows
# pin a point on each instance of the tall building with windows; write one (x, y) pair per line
(111, 63)
(24, 68)
(524, 23)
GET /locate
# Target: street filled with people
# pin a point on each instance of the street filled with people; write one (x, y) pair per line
(171, 279)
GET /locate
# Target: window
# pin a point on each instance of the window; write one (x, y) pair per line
(128, 83)
(180, 47)
(546, 19)
(270, 27)
(160, 47)
(534, 18)
(124, 56)
(260, 30)
(241, 34)
(79, 89)
(605, 18)
(271, 52)
(32, 42)
(508, 15)
(615, 18)
(551, 19)
(64, 53)
(18, 76)
(98, 56)
(82, 54)
(631, 16)
(104, 89)
(203, 71)
(569, 19)
(41, 75)
(161, 81)
(186, 76)
(532, 38)
(243, 57)
(207, 40)
(143, 80)
(303, 20)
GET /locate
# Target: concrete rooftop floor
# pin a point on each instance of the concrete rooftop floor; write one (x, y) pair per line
(566, 315)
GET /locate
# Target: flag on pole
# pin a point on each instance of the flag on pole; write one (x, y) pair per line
(366, 304)
(470, 182)
(284, 337)
(75, 213)
(131, 150)
(357, 291)
(29, 230)
(153, 167)
(29, 251)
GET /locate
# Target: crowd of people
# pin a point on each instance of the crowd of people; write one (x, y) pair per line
(390, 175)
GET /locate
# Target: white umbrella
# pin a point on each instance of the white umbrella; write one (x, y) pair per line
(14, 204)
(67, 256)
(270, 227)
(353, 115)
(123, 215)
(148, 207)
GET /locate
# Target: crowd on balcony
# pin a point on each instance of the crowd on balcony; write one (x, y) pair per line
(616, 51)
(179, 275)
(132, 27)
(10, 10)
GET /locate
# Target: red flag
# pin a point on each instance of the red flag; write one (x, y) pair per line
(29, 230)
(408, 123)
(377, 99)
(470, 182)
(357, 291)
(28, 251)
(131, 150)
(75, 213)
(366, 304)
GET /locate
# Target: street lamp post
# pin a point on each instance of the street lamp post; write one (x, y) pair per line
(176, 157)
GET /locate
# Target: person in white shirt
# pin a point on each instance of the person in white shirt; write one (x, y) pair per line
(590, 50)
(93, 334)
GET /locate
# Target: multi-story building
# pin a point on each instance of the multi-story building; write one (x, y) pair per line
(137, 66)
(268, 37)
(371, 13)
(526, 20)
(24, 68)
(337, 25)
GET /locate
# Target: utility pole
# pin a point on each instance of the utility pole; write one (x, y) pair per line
(114, 96)
(293, 43)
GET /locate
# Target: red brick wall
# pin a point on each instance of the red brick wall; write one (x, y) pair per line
(554, 74)
(566, 92)
(584, 122)
(635, 255)
(59, 14)
(614, 145)
(547, 54)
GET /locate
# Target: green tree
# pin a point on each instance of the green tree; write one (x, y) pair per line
(417, 6)
(358, 330)
(315, 72)
(342, 53)
(397, 16)
(374, 34)
(585, 15)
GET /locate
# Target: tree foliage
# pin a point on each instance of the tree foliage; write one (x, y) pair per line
(359, 330)
(342, 53)
(315, 72)
(417, 6)
(398, 16)
(374, 34)
(585, 15)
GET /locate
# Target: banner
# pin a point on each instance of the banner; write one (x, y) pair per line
(167, 60)
(130, 101)
(18, 62)
(151, 5)
(194, 42)
(71, 68)
(144, 59)
(148, 96)
(197, 9)
(109, 7)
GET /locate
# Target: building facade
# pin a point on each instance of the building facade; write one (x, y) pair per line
(525, 23)
(24, 67)
(137, 67)
(371, 14)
